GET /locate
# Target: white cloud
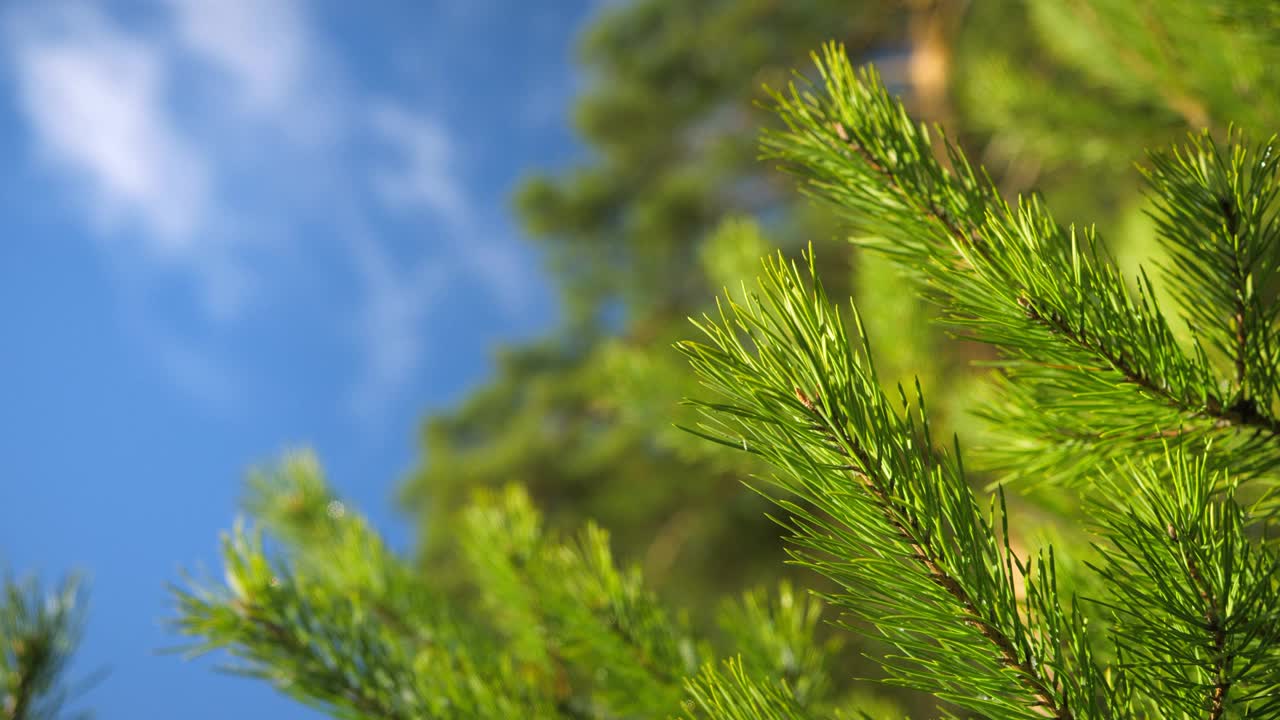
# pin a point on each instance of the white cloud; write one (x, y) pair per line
(95, 97)
(420, 174)
(391, 323)
(176, 132)
(426, 177)
(425, 174)
(104, 103)
(275, 70)
(262, 46)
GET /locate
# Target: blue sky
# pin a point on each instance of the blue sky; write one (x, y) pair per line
(235, 227)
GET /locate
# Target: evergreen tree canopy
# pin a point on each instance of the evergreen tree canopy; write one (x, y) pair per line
(671, 124)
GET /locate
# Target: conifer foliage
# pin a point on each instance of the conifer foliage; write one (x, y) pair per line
(39, 629)
(1161, 434)
(554, 628)
(1093, 370)
(1165, 425)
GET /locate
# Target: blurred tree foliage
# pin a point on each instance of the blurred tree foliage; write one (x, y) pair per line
(1064, 96)
(1053, 98)
(39, 631)
(584, 418)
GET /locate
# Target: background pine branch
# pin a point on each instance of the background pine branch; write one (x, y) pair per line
(39, 630)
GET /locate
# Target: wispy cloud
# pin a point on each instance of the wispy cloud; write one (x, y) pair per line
(94, 95)
(423, 173)
(267, 59)
(169, 132)
(425, 177)
(97, 98)
(262, 46)
(390, 322)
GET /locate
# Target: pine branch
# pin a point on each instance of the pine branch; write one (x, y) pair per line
(38, 633)
(909, 530)
(886, 516)
(322, 645)
(341, 623)
(552, 629)
(339, 686)
(734, 694)
(1102, 359)
(773, 635)
(907, 526)
(1192, 593)
(1222, 662)
(331, 544)
(567, 603)
(1215, 212)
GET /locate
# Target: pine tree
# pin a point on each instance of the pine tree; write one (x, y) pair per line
(1167, 437)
